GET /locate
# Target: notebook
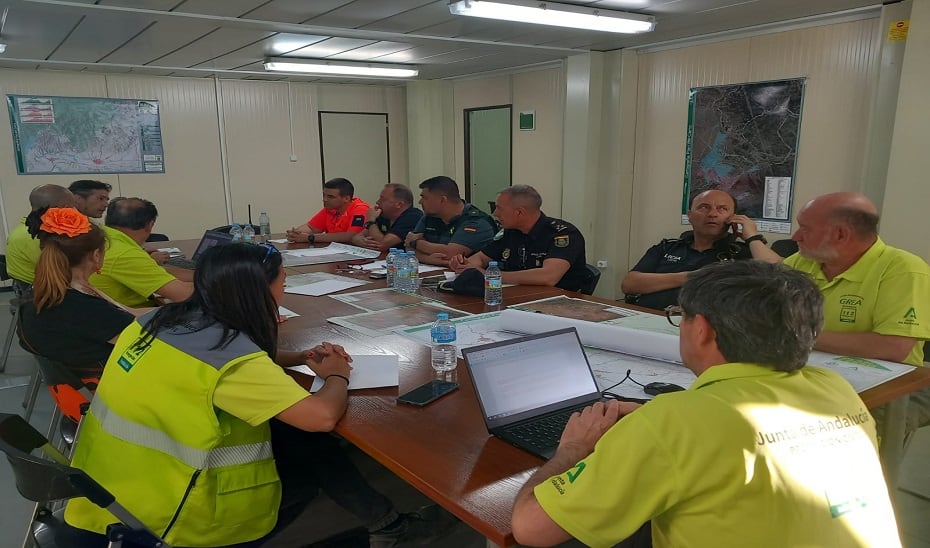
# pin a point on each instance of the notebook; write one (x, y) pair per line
(528, 387)
(210, 239)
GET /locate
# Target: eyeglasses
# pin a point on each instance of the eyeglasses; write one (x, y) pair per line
(270, 250)
(673, 314)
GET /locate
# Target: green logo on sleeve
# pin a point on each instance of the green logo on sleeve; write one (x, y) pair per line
(575, 472)
(131, 355)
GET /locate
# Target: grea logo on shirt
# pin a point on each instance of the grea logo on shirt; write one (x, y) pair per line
(572, 474)
(909, 318)
(669, 258)
(131, 355)
(849, 308)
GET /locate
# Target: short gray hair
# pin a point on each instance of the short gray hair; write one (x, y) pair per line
(525, 195)
(762, 313)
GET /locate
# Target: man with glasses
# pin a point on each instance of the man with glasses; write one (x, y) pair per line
(656, 278)
(761, 450)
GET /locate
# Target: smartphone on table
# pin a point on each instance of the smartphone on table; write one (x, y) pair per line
(429, 392)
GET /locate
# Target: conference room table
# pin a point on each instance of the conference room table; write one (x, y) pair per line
(444, 449)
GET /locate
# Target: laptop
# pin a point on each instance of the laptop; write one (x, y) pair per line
(528, 387)
(210, 238)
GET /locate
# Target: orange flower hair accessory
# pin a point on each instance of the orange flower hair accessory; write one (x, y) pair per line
(65, 220)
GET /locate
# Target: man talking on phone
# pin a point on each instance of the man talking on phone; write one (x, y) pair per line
(656, 278)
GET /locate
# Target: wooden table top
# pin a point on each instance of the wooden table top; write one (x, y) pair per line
(444, 449)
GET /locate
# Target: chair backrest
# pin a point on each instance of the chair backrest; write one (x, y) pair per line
(40, 480)
(225, 228)
(4, 275)
(589, 287)
(156, 237)
(55, 373)
(785, 247)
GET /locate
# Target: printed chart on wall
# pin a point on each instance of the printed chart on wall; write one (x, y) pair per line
(85, 135)
(743, 139)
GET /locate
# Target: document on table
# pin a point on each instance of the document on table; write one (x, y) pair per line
(381, 265)
(333, 253)
(285, 313)
(469, 331)
(325, 287)
(861, 373)
(368, 371)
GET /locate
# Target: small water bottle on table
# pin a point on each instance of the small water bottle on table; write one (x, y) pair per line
(389, 265)
(443, 353)
(248, 233)
(264, 225)
(414, 265)
(236, 232)
(402, 272)
(493, 292)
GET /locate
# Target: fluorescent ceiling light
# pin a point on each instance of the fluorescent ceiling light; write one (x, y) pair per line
(322, 66)
(559, 15)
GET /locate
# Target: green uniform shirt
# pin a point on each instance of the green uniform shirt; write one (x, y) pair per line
(22, 253)
(129, 274)
(747, 456)
(887, 292)
(472, 229)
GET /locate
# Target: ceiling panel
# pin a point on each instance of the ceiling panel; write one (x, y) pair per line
(365, 12)
(162, 5)
(210, 46)
(226, 8)
(294, 11)
(429, 15)
(272, 46)
(159, 40)
(34, 34)
(370, 52)
(421, 54)
(97, 35)
(329, 47)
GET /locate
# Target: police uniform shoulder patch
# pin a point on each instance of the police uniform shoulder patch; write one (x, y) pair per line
(499, 235)
(561, 241)
(358, 220)
(505, 254)
(471, 228)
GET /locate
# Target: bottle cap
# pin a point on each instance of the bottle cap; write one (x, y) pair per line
(492, 263)
(442, 316)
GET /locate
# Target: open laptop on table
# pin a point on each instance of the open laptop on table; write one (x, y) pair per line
(528, 387)
(210, 238)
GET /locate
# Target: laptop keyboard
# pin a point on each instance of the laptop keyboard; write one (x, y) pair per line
(181, 262)
(543, 431)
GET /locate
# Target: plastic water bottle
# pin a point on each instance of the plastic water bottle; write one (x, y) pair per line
(264, 225)
(402, 272)
(443, 353)
(390, 265)
(248, 233)
(414, 265)
(492, 285)
(236, 232)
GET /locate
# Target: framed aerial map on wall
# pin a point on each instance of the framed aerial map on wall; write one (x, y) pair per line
(743, 139)
(85, 135)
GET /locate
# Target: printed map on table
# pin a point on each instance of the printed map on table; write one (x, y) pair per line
(577, 309)
(85, 135)
(387, 321)
(379, 299)
(469, 331)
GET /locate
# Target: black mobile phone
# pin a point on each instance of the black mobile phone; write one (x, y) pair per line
(377, 274)
(429, 392)
(357, 262)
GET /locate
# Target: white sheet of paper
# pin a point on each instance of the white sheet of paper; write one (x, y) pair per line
(279, 241)
(368, 371)
(170, 250)
(381, 265)
(325, 287)
(287, 313)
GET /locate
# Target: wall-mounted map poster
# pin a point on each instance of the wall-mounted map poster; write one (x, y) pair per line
(85, 135)
(743, 139)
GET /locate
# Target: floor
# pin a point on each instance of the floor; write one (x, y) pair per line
(324, 520)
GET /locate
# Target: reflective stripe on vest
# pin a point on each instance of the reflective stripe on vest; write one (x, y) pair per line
(151, 438)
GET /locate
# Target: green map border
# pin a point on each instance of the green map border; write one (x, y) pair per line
(17, 141)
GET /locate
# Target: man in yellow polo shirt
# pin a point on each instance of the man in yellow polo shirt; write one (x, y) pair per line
(130, 275)
(760, 451)
(22, 250)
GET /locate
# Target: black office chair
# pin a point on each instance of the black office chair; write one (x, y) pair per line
(51, 479)
(785, 247)
(225, 229)
(156, 237)
(591, 285)
(22, 291)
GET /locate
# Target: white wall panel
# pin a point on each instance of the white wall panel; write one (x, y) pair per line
(542, 91)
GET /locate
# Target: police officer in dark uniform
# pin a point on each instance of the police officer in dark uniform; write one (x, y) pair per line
(533, 249)
(656, 278)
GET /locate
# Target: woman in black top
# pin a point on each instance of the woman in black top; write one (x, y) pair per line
(70, 321)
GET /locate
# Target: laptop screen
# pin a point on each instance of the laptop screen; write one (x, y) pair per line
(210, 239)
(525, 374)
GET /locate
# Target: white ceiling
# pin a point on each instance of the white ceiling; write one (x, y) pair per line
(230, 38)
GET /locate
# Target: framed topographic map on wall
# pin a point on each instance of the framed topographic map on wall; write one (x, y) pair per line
(743, 139)
(85, 135)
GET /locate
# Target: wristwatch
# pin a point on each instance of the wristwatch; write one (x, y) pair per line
(368, 224)
(759, 237)
(413, 243)
(311, 238)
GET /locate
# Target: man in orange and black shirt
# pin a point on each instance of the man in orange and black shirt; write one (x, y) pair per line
(342, 216)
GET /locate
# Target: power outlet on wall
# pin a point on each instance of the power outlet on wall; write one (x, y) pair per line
(601, 264)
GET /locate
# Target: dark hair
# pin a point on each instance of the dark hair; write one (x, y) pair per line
(762, 313)
(86, 187)
(442, 185)
(524, 195)
(131, 213)
(231, 288)
(401, 192)
(60, 253)
(344, 186)
(863, 223)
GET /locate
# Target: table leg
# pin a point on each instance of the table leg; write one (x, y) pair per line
(891, 450)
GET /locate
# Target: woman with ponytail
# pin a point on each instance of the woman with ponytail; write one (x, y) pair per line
(69, 321)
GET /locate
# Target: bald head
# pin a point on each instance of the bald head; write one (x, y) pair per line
(50, 196)
(711, 196)
(851, 209)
